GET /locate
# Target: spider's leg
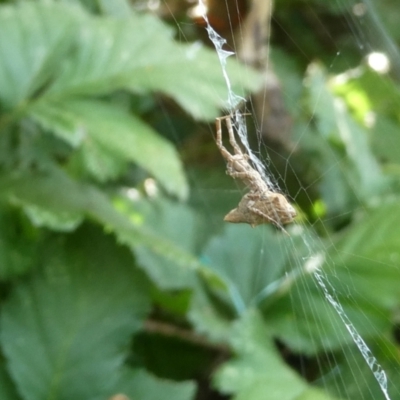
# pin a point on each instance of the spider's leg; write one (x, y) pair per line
(232, 139)
(218, 127)
(250, 178)
(277, 224)
(259, 212)
(244, 176)
(225, 153)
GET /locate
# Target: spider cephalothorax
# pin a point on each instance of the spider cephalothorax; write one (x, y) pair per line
(260, 205)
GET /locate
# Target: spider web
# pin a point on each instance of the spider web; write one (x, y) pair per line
(234, 101)
(316, 261)
(312, 264)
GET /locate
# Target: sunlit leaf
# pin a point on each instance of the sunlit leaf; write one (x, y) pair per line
(349, 166)
(377, 90)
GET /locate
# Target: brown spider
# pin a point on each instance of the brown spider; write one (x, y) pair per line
(260, 205)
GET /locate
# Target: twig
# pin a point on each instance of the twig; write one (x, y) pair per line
(167, 329)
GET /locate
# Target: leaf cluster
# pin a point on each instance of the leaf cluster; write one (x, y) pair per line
(118, 277)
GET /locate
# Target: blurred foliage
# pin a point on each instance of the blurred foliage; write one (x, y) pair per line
(119, 278)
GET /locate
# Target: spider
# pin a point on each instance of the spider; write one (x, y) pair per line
(260, 205)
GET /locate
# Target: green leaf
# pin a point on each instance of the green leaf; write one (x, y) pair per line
(56, 192)
(161, 217)
(72, 53)
(117, 8)
(98, 58)
(7, 387)
(385, 139)
(204, 92)
(74, 318)
(368, 181)
(367, 258)
(33, 40)
(92, 56)
(97, 162)
(357, 168)
(60, 121)
(362, 272)
(355, 380)
(307, 323)
(251, 275)
(139, 384)
(58, 221)
(164, 217)
(330, 166)
(321, 101)
(257, 370)
(125, 137)
(290, 77)
(369, 91)
(211, 315)
(17, 245)
(259, 268)
(102, 57)
(117, 61)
